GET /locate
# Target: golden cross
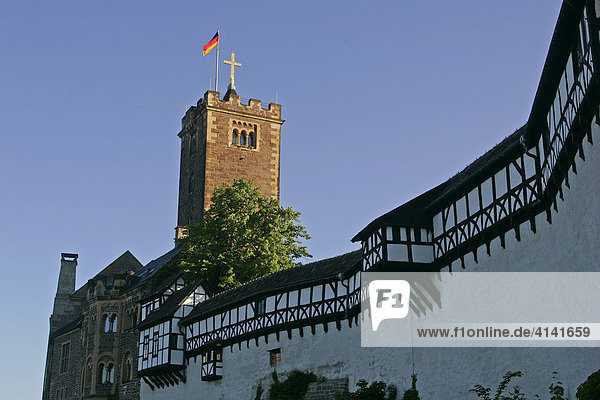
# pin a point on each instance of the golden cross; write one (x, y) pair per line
(233, 65)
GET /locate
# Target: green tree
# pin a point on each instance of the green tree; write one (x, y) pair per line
(590, 389)
(242, 236)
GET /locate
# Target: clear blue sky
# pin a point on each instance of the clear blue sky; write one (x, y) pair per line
(382, 101)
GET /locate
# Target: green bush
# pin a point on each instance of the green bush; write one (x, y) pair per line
(294, 387)
(376, 391)
(484, 393)
(412, 393)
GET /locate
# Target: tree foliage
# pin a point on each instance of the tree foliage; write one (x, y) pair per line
(377, 390)
(590, 389)
(294, 387)
(242, 236)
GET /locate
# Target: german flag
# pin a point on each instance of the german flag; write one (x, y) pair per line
(211, 45)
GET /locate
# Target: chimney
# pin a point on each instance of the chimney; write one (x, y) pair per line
(66, 286)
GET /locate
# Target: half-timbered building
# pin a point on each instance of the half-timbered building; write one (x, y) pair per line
(161, 341)
(525, 205)
(528, 204)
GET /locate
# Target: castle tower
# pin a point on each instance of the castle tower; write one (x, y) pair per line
(223, 140)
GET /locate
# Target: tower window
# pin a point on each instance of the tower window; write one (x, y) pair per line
(236, 137)
(191, 183)
(106, 373)
(251, 142)
(193, 143)
(243, 138)
(110, 322)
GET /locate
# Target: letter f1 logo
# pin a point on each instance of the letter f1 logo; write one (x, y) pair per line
(389, 299)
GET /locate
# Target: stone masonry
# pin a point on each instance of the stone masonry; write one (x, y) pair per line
(326, 390)
(211, 158)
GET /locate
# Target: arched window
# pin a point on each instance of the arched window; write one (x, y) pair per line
(110, 373)
(235, 139)
(251, 140)
(243, 138)
(106, 323)
(110, 322)
(87, 379)
(106, 371)
(101, 373)
(113, 323)
(126, 368)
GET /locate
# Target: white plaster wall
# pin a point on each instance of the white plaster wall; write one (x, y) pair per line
(443, 373)
(570, 243)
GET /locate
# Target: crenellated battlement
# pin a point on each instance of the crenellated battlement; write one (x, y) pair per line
(229, 103)
(225, 138)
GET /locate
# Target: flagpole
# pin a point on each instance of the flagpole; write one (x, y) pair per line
(217, 76)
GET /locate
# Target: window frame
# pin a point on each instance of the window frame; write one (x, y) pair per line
(64, 359)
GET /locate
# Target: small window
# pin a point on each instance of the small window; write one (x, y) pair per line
(88, 375)
(155, 344)
(133, 317)
(193, 143)
(113, 323)
(126, 368)
(274, 357)
(61, 394)
(243, 138)
(105, 323)
(259, 307)
(191, 183)
(101, 373)
(251, 140)
(110, 373)
(146, 347)
(236, 137)
(64, 357)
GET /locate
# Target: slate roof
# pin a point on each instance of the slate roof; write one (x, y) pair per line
(168, 308)
(420, 210)
(291, 278)
(124, 263)
(484, 166)
(148, 271)
(76, 323)
(164, 285)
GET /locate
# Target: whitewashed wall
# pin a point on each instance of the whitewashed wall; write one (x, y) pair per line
(571, 242)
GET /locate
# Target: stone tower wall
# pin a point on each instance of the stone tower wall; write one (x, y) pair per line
(216, 160)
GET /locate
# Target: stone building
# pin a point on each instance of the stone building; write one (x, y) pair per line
(528, 204)
(93, 342)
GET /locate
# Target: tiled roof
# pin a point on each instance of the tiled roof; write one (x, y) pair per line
(299, 276)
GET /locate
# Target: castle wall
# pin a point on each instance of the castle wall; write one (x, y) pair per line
(568, 244)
